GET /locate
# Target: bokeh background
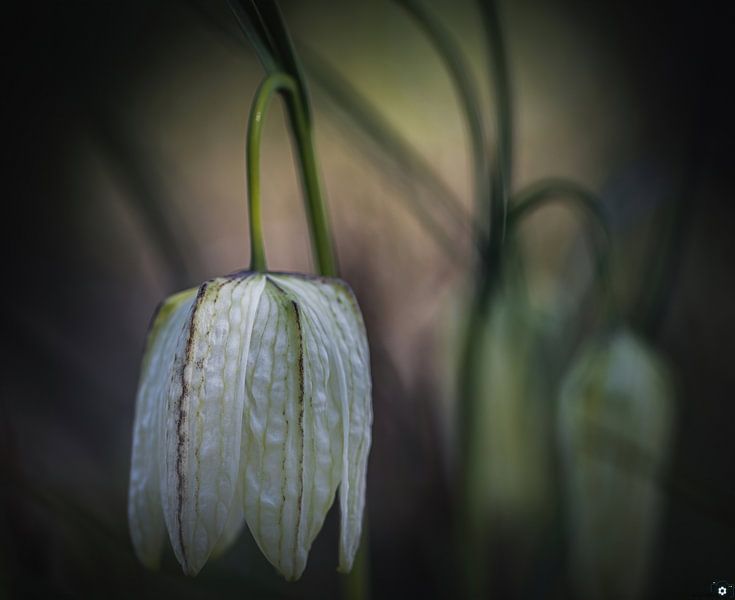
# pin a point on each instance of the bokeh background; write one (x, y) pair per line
(125, 182)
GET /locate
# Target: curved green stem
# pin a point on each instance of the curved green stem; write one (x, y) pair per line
(466, 87)
(499, 74)
(263, 96)
(541, 193)
(321, 239)
(396, 156)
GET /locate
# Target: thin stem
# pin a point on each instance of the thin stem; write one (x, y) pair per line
(471, 542)
(300, 117)
(540, 194)
(271, 84)
(499, 74)
(281, 42)
(263, 24)
(488, 267)
(461, 74)
(392, 148)
(321, 240)
(321, 237)
(251, 22)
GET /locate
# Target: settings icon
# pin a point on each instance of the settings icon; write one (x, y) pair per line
(722, 589)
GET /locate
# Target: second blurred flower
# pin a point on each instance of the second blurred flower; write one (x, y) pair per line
(615, 421)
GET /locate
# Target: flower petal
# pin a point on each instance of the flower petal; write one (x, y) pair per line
(336, 310)
(272, 449)
(205, 398)
(322, 426)
(144, 500)
(292, 428)
(234, 526)
(352, 342)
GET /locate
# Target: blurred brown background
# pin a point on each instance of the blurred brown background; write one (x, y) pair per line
(125, 182)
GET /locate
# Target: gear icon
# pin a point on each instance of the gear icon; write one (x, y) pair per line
(722, 590)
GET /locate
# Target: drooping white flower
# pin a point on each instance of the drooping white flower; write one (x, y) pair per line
(615, 426)
(254, 406)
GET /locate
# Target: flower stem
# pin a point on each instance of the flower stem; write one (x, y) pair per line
(459, 70)
(471, 535)
(255, 127)
(320, 235)
(499, 73)
(539, 194)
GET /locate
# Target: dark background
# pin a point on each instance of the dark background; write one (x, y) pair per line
(81, 282)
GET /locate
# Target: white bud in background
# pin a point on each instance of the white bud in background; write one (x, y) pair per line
(615, 426)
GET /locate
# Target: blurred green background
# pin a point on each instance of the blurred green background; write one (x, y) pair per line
(125, 182)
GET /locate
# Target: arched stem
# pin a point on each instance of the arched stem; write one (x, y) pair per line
(321, 240)
(459, 70)
(502, 173)
(540, 194)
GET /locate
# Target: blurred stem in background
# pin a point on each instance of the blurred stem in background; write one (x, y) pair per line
(539, 194)
(407, 163)
(502, 180)
(490, 200)
(470, 542)
(464, 84)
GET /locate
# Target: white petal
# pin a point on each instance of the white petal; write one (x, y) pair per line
(291, 437)
(205, 398)
(340, 319)
(144, 502)
(615, 419)
(272, 445)
(322, 426)
(352, 341)
(234, 526)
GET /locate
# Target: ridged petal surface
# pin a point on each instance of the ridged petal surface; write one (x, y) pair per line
(203, 421)
(145, 513)
(288, 475)
(337, 321)
(254, 406)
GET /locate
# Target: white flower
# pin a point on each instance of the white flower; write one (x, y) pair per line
(615, 422)
(254, 405)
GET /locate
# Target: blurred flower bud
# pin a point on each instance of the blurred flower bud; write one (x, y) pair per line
(254, 405)
(511, 435)
(615, 421)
